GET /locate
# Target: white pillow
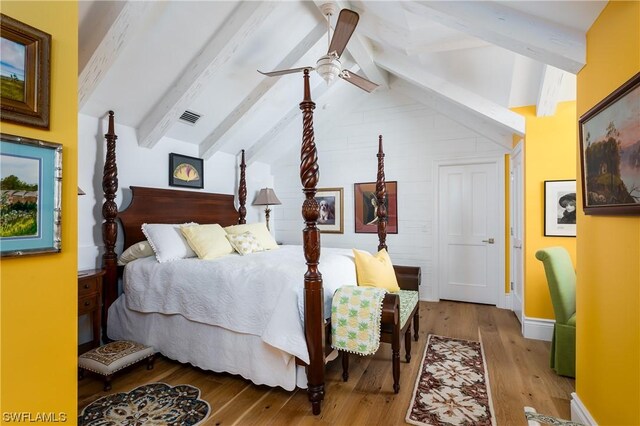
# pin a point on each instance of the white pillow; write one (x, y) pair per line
(244, 243)
(259, 230)
(136, 251)
(167, 241)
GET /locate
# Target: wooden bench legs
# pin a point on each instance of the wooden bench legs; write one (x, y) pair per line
(395, 353)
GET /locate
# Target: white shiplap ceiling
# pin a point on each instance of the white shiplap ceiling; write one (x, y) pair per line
(150, 61)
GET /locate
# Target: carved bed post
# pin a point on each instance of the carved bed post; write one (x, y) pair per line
(313, 292)
(242, 192)
(109, 226)
(381, 196)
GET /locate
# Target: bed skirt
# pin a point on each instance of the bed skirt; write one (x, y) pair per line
(207, 347)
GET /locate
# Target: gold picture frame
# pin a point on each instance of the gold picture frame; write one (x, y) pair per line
(331, 210)
(25, 72)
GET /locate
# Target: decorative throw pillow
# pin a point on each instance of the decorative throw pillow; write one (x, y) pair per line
(375, 270)
(208, 241)
(245, 243)
(259, 230)
(136, 251)
(167, 241)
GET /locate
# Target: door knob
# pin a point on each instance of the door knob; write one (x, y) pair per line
(490, 241)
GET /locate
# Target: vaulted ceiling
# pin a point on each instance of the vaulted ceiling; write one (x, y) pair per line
(471, 60)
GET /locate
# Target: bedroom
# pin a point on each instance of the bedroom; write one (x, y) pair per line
(219, 177)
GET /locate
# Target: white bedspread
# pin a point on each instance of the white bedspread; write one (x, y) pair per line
(257, 294)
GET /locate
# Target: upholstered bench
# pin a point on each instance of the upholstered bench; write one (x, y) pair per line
(398, 312)
(113, 357)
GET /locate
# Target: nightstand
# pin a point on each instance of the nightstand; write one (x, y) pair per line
(90, 303)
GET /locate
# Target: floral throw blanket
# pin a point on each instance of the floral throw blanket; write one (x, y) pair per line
(355, 319)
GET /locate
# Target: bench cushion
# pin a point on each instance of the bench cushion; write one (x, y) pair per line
(114, 356)
(408, 301)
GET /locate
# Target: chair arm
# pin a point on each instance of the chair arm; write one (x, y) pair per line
(390, 309)
(408, 277)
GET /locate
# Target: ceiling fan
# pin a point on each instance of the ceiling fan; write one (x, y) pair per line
(329, 66)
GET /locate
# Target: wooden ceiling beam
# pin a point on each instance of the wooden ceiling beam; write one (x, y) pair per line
(549, 94)
(240, 26)
(528, 35)
(482, 126)
(216, 139)
(115, 39)
(449, 92)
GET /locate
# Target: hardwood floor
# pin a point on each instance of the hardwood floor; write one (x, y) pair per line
(519, 375)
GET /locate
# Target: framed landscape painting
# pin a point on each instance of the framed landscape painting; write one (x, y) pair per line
(366, 203)
(610, 152)
(331, 218)
(24, 73)
(30, 202)
(560, 208)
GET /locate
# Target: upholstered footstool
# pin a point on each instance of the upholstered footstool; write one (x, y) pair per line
(113, 357)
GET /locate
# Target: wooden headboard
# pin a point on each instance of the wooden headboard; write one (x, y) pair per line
(152, 205)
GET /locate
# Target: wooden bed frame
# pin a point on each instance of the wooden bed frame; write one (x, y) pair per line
(174, 206)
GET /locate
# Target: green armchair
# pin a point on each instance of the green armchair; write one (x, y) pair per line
(561, 278)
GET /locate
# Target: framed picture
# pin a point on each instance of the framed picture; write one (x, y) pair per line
(331, 219)
(364, 195)
(30, 204)
(560, 208)
(24, 73)
(186, 171)
(610, 152)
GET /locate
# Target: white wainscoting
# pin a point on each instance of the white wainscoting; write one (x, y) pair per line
(579, 412)
(538, 328)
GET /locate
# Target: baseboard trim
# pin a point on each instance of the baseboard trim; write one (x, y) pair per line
(579, 412)
(505, 301)
(538, 328)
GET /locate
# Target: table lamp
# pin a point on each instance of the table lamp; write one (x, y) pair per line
(266, 197)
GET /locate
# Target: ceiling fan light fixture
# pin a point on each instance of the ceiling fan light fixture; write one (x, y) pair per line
(329, 67)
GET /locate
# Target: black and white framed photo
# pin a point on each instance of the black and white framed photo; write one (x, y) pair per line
(331, 217)
(560, 208)
(186, 171)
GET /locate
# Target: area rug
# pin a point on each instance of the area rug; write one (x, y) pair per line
(151, 404)
(452, 387)
(536, 419)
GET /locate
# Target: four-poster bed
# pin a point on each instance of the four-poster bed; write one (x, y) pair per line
(174, 207)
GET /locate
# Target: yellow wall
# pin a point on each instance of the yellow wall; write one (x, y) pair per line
(549, 154)
(38, 294)
(608, 299)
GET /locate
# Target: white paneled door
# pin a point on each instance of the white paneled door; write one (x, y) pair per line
(469, 221)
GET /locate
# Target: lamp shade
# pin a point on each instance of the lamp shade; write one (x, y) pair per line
(266, 197)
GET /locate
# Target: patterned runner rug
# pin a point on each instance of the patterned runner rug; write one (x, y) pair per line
(151, 404)
(452, 387)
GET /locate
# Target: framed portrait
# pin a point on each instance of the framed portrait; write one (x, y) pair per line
(186, 171)
(610, 152)
(24, 73)
(560, 208)
(30, 201)
(366, 203)
(331, 218)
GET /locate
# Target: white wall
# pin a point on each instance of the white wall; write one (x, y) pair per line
(414, 136)
(144, 167)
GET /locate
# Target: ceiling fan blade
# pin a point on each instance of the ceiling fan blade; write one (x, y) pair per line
(346, 25)
(283, 72)
(358, 81)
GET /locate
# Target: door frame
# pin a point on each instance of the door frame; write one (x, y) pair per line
(498, 161)
(518, 149)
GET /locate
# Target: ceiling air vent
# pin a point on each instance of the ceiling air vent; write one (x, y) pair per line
(190, 117)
